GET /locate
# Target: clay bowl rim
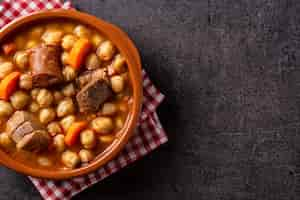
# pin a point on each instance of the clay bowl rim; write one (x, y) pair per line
(127, 48)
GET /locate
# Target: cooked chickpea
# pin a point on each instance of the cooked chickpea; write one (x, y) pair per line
(69, 90)
(67, 121)
(92, 61)
(6, 109)
(88, 139)
(44, 98)
(21, 59)
(106, 50)
(119, 122)
(109, 109)
(106, 138)
(5, 140)
(82, 31)
(52, 37)
(117, 83)
(59, 142)
(34, 93)
(25, 81)
(36, 32)
(19, 99)
(47, 115)
(20, 41)
(68, 41)
(31, 43)
(119, 63)
(5, 69)
(65, 107)
(97, 39)
(58, 96)
(44, 161)
(86, 155)
(34, 107)
(69, 73)
(69, 27)
(54, 128)
(102, 125)
(64, 58)
(70, 159)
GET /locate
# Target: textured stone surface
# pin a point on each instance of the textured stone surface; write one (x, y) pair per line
(230, 71)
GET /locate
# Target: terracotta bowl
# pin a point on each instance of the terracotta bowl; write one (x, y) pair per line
(126, 47)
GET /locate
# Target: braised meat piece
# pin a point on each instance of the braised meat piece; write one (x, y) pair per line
(87, 76)
(35, 141)
(92, 95)
(45, 65)
(27, 131)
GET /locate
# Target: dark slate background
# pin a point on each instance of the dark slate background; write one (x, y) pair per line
(230, 71)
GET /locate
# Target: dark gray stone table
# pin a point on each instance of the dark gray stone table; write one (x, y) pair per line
(231, 72)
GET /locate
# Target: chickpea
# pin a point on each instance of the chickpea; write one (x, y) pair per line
(59, 142)
(67, 121)
(21, 59)
(19, 99)
(119, 63)
(47, 115)
(34, 93)
(88, 139)
(54, 128)
(69, 73)
(52, 37)
(117, 83)
(82, 31)
(68, 41)
(44, 161)
(106, 138)
(25, 81)
(6, 109)
(58, 96)
(44, 98)
(64, 58)
(5, 140)
(106, 50)
(119, 122)
(86, 155)
(70, 159)
(34, 107)
(102, 125)
(69, 90)
(30, 44)
(5, 69)
(20, 41)
(109, 109)
(97, 39)
(68, 28)
(36, 32)
(65, 107)
(92, 61)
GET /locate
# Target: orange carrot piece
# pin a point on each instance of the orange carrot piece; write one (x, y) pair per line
(9, 48)
(73, 132)
(8, 85)
(79, 52)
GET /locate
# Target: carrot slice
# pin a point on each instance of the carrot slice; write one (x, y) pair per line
(79, 52)
(8, 85)
(9, 48)
(73, 132)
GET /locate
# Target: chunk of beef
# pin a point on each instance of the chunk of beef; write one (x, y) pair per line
(92, 95)
(18, 118)
(25, 129)
(45, 65)
(87, 76)
(35, 141)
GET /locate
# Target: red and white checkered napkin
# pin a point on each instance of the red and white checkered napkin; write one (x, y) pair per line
(149, 134)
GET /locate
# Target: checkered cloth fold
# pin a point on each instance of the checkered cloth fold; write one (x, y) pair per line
(148, 136)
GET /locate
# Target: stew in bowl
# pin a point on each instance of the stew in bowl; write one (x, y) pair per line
(65, 93)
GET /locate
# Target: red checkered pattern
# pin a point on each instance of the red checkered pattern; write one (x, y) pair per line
(149, 133)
